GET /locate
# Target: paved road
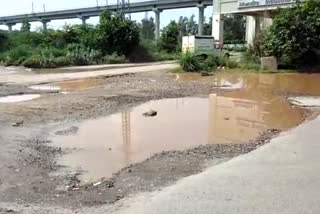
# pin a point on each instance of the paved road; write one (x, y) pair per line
(280, 177)
(30, 78)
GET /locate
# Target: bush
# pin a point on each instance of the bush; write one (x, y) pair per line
(81, 55)
(114, 59)
(33, 62)
(13, 56)
(62, 61)
(4, 40)
(295, 34)
(189, 62)
(55, 52)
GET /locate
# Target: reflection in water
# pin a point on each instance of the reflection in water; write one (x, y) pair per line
(18, 98)
(234, 120)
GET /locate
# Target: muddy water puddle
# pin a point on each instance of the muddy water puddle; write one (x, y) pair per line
(74, 85)
(18, 98)
(103, 146)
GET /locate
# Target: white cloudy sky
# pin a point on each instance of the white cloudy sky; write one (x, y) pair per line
(12, 7)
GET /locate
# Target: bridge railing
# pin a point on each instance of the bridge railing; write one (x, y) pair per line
(38, 8)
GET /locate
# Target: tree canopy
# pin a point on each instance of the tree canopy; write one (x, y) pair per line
(294, 36)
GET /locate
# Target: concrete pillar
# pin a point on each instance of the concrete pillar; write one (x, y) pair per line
(45, 24)
(201, 8)
(157, 23)
(251, 25)
(83, 19)
(10, 25)
(217, 22)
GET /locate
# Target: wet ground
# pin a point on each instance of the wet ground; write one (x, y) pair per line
(92, 144)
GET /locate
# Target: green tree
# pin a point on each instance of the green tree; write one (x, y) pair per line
(4, 40)
(294, 36)
(192, 27)
(169, 40)
(115, 33)
(147, 28)
(183, 23)
(207, 27)
(234, 28)
(26, 26)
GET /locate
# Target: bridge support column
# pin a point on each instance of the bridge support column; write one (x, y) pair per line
(83, 19)
(10, 25)
(45, 25)
(217, 22)
(157, 23)
(201, 8)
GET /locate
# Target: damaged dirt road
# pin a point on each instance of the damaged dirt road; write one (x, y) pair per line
(57, 148)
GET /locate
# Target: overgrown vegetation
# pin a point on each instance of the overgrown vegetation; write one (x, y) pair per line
(191, 62)
(294, 37)
(109, 42)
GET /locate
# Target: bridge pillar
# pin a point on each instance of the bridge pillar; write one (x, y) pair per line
(45, 25)
(157, 23)
(217, 22)
(10, 25)
(83, 19)
(201, 8)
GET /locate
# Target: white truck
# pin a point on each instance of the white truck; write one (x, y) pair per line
(201, 45)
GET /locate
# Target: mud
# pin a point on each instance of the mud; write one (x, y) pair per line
(30, 174)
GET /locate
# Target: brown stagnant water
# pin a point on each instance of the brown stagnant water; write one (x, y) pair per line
(73, 85)
(108, 144)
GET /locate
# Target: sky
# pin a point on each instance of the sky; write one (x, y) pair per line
(15, 7)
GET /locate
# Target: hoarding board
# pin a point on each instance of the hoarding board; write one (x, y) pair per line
(259, 3)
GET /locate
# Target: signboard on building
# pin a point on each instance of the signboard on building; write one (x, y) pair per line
(259, 3)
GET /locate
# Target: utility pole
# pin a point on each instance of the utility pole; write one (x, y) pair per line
(97, 3)
(106, 2)
(32, 7)
(44, 7)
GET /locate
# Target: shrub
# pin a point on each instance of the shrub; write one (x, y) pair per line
(81, 55)
(231, 64)
(189, 62)
(55, 52)
(33, 62)
(14, 55)
(114, 59)
(4, 40)
(295, 33)
(62, 61)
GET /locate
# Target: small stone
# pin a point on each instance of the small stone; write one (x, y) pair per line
(17, 170)
(150, 113)
(18, 123)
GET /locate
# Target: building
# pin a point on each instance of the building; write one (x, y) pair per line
(259, 14)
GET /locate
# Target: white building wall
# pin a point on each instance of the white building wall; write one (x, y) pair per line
(257, 11)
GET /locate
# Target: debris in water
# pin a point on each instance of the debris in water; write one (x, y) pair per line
(206, 74)
(97, 184)
(19, 123)
(150, 113)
